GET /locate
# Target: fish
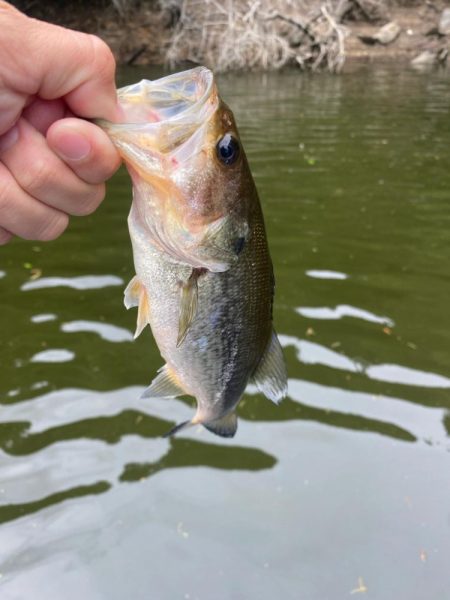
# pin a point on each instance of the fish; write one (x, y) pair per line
(204, 278)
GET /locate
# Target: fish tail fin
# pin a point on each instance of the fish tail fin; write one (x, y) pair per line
(225, 426)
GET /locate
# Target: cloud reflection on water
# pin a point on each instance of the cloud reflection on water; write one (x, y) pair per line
(84, 282)
(312, 353)
(341, 311)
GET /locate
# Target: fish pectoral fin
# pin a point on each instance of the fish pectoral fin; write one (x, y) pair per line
(270, 376)
(225, 427)
(164, 385)
(188, 305)
(132, 293)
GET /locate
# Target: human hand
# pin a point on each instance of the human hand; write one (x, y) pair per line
(52, 163)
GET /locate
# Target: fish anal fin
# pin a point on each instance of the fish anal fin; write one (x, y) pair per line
(270, 375)
(165, 385)
(188, 305)
(132, 293)
(225, 426)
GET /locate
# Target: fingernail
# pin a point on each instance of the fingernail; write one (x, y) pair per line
(9, 138)
(71, 145)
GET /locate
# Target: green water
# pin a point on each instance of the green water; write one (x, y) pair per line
(342, 491)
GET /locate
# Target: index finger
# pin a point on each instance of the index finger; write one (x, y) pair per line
(66, 63)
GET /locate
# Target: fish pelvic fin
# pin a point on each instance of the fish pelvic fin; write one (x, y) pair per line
(188, 305)
(270, 376)
(225, 426)
(165, 385)
(178, 428)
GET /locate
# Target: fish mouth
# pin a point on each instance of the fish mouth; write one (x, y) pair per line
(161, 116)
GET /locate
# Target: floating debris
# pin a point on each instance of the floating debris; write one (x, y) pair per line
(361, 589)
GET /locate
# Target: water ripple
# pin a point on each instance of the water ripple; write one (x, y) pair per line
(56, 355)
(84, 282)
(312, 353)
(340, 311)
(108, 332)
(320, 274)
(407, 376)
(43, 318)
(423, 422)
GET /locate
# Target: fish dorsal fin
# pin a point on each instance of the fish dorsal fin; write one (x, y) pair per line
(136, 295)
(132, 293)
(270, 375)
(225, 427)
(188, 305)
(165, 385)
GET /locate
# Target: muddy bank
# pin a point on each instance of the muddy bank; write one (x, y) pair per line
(259, 34)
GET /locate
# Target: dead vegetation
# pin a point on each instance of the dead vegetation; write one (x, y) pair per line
(269, 34)
(258, 34)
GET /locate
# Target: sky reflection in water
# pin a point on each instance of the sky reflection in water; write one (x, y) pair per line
(347, 478)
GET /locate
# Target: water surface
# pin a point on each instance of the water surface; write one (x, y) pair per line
(342, 490)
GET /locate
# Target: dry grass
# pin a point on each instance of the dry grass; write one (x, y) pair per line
(257, 34)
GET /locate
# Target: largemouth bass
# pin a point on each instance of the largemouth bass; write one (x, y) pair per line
(204, 279)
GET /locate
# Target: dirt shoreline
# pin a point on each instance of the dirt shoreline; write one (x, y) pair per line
(143, 36)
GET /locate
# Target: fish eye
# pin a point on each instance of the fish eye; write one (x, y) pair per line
(228, 149)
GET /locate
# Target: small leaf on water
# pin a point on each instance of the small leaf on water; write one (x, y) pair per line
(310, 160)
(27, 265)
(35, 273)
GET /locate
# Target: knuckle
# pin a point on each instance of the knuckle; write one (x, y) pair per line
(36, 178)
(105, 64)
(52, 228)
(90, 201)
(5, 194)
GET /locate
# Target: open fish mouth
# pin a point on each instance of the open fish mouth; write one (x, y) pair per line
(162, 115)
(168, 141)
